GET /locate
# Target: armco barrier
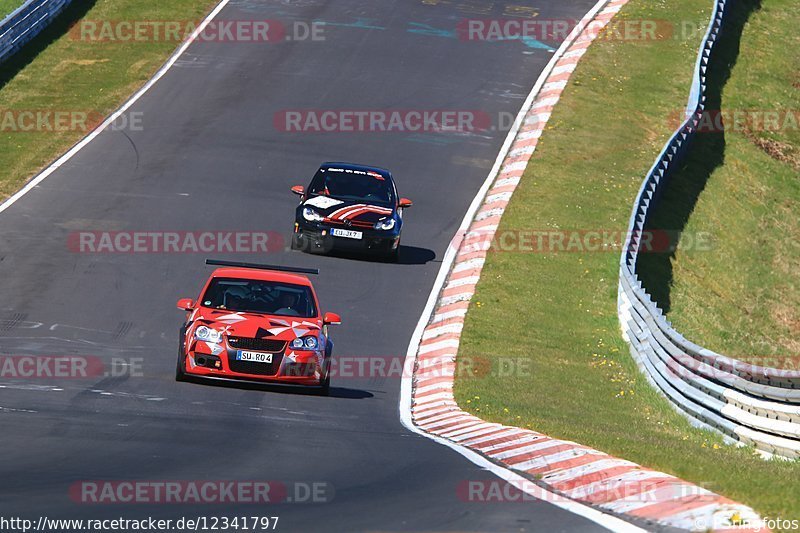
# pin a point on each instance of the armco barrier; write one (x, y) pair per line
(751, 404)
(25, 23)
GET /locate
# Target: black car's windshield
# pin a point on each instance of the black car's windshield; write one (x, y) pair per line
(353, 185)
(255, 296)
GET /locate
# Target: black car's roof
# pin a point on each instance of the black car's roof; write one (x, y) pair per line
(356, 166)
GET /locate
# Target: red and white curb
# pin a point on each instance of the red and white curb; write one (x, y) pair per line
(582, 480)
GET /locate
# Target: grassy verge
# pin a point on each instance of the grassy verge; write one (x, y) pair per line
(7, 6)
(558, 310)
(58, 72)
(742, 187)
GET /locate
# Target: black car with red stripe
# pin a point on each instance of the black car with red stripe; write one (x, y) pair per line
(349, 206)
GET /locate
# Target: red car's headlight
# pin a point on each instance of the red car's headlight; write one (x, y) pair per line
(204, 333)
(305, 343)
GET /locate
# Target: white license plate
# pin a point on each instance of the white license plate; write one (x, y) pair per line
(256, 357)
(346, 233)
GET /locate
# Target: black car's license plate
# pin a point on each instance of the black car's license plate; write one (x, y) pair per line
(346, 233)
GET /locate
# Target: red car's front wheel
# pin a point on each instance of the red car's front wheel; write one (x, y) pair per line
(180, 374)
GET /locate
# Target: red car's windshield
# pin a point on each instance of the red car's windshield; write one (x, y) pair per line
(256, 296)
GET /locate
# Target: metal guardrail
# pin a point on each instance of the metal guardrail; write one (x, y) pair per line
(755, 405)
(26, 22)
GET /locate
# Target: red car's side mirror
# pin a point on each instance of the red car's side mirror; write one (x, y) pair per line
(332, 319)
(405, 202)
(185, 304)
(299, 190)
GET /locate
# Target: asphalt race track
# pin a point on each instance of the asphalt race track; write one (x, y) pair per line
(209, 157)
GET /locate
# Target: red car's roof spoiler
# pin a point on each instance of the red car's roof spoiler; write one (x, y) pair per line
(276, 268)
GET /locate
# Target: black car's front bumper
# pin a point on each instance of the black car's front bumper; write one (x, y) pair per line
(317, 237)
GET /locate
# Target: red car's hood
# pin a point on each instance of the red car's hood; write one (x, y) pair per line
(259, 326)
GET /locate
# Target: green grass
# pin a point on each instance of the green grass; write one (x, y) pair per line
(558, 310)
(7, 6)
(742, 298)
(58, 72)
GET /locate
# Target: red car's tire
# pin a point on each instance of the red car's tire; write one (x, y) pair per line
(325, 385)
(180, 374)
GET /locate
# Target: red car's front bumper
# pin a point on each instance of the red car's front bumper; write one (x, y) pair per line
(289, 368)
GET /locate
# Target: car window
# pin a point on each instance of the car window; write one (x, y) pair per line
(256, 296)
(353, 185)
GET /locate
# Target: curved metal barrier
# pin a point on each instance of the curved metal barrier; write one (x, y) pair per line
(25, 23)
(751, 404)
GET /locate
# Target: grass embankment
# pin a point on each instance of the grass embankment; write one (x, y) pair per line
(558, 310)
(7, 6)
(60, 72)
(742, 187)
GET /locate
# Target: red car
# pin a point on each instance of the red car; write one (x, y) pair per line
(256, 323)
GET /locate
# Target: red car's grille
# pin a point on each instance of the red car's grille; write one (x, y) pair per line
(263, 345)
(250, 367)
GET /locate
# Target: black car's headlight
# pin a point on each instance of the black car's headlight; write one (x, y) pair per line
(386, 223)
(311, 215)
(305, 343)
